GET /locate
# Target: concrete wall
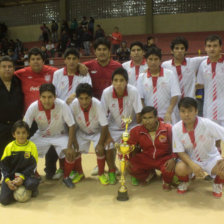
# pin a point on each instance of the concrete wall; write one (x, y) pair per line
(190, 22)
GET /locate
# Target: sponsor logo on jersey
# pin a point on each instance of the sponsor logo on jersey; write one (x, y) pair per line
(34, 88)
(30, 77)
(162, 138)
(27, 155)
(93, 72)
(47, 78)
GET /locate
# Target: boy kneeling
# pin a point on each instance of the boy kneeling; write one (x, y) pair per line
(194, 140)
(18, 163)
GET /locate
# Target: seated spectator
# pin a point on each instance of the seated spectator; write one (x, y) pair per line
(123, 53)
(99, 32)
(150, 42)
(50, 49)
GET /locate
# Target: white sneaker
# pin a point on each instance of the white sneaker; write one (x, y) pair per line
(182, 187)
(217, 190)
(59, 173)
(95, 171)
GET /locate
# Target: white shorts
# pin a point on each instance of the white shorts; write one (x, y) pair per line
(84, 140)
(116, 135)
(60, 142)
(209, 164)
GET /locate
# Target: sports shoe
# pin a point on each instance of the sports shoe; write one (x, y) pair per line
(77, 177)
(175, 181)
(68, 182)
(72, 174)
(59, 173)
(35, 193)
(217, 190)
(134, 181)
(208, 178)
(103, 179)
(166, 186)
(112, 178)
(95, 171)
(182, 187)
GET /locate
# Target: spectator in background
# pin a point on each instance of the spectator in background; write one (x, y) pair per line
(116, 39)
(25, 59)
(84, 22)
(65, 27)
(150, 42)
(50, 49)
(74, 26)
(99, 32)
(64, 40)
(123, 53)
(54, 31)
(13, 56)
(86, 38)
(44, 52)
(45, 33)
(91, 26)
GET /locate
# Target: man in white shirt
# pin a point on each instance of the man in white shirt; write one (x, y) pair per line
(158, 87)
(92, 125)
(51, 115)
(137, 64)
(185, 69)
(67, 79)
(194, 141)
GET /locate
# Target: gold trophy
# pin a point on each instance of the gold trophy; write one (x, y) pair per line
(124, 149)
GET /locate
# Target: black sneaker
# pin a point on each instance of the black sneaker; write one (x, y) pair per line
(35, 193)
(68, 182)
(208, 178)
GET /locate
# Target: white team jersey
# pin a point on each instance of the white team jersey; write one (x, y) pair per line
(129, 105)
(89, 122)
(186, 74)
(159, 96)
(211, 75)
(51, 122)
(200, 143)
(64, 87)
(134, 71)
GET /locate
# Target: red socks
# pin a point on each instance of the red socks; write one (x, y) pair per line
(101, 164)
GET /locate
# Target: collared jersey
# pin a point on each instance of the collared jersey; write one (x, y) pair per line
(156, 148)
(134, 71)
(19, 159)
(66, 85)
(199, 144)
(50, 122)
(128, 105)
(158, 96)
(91, 120)
(186, 73)
(101, 76)
(31, 82)
(211, 75)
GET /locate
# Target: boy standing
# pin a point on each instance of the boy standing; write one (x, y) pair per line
(19, 162)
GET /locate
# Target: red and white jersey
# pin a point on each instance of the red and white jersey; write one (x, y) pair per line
(158, 91)
(128, 105)
(50, 122)
(31, 82)
(66, 85)
(211, 75)
(199, 144)
(134, 70)
(186, 73)
(101, 76)
(90, 120)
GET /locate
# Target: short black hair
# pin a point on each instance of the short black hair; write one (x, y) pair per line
(153, 50)
(150, 38)
(179, 40)
(6, 58)
(71, 51)
(47, 87)
(84, 88)
(120, 71)
(149, 109)
(20, 124)
(137, 43)
(35, 51)
(188, 102)
(101, 41)
(214, 37)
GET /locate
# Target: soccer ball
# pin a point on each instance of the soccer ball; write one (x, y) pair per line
(21, 194)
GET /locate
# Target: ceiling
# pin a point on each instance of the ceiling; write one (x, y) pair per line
(7, 3)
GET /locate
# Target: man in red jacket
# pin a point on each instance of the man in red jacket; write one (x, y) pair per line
(154, 138)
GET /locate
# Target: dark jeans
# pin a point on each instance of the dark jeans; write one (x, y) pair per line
(6, 197)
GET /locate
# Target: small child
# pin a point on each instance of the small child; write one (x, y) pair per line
(18, 163)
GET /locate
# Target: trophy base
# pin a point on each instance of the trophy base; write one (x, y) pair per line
(122, 196)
